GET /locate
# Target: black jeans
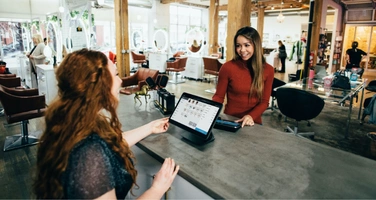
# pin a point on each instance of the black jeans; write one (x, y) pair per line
(283, 61)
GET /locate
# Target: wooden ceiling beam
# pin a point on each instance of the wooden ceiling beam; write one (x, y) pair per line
(172, 1)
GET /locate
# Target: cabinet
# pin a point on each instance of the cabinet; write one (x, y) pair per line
(157, 61)
(336, 65)
(147, 166)
(25, 71)
(194, 68)
(47, 83)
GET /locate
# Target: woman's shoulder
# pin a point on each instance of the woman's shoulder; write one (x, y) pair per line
(268, 68)
(93, 141)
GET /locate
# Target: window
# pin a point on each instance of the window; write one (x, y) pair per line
(182, 19)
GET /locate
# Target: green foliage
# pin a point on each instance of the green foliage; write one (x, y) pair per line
(85, 15)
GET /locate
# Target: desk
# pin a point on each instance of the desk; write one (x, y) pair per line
(332, 94)
(256, 162)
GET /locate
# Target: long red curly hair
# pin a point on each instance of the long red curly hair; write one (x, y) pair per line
(84, 83)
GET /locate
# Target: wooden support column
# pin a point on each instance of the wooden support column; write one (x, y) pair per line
(239, 15)
(316, 28)
(122, 38)
(213, 26)
(260, 20)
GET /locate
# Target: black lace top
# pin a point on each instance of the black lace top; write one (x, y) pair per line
(94, 169)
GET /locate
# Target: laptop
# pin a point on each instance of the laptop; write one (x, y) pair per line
(197, 116)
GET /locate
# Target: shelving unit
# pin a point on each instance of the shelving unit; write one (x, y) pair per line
(336, 65)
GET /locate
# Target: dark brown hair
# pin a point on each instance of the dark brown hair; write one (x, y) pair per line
(256, 63)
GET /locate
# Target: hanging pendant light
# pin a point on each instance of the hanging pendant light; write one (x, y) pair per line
(280, 17)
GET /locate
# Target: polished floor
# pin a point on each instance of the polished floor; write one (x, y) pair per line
(17, 166)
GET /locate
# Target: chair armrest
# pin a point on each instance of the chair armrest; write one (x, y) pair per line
(174, 64)
(22, 91)
(18, 104)
(129, 80)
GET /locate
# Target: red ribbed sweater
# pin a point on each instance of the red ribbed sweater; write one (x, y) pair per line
(234, 81)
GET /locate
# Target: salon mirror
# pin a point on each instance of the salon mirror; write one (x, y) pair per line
(52, 36)
(136, 39)
(160, 40)
(194, 40)
(78, 36)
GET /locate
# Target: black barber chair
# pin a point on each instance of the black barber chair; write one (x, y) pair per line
(20, 105)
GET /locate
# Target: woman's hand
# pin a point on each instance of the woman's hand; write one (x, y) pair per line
(247, 120)
(166, 175)
(159, 125)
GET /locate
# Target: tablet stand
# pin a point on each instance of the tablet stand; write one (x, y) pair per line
(196, 139)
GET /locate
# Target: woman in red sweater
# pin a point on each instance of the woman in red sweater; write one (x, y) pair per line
(246, 80)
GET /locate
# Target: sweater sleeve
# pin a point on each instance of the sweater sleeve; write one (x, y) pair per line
(257, 111)
(222, 84)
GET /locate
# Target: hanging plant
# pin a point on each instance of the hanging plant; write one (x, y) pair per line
(85, 15)
(26, 25)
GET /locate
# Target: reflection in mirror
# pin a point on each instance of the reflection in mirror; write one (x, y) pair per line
(136, 39)
(52, 37)
(160, 40)
(78, 37)
(194, 40)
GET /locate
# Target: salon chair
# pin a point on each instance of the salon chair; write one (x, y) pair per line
(21, 105)
(299, 105)
(177, 66)
(371, 87)
(135, 82)
(112, 57)
(212, 67)
(276, 83)
(10, 81)
(138, 59)
(7, 75)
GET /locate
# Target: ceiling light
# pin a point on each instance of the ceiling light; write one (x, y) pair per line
(272, 7)
(280, 17)
(61, 9)
(290, 5)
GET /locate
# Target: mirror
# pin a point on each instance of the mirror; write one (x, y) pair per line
(78, 36)
(51, 37)
(194, 40)
(160, 40)
(136, 39)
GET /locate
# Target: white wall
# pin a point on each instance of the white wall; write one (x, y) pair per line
(288, 31)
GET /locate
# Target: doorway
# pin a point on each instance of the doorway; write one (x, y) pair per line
(365, 35)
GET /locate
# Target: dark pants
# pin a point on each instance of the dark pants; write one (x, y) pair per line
(283, 61)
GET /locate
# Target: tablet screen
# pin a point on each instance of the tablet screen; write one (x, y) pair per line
(195, 114)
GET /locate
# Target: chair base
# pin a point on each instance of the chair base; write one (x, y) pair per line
(213, 90)
(19, 141)
(176, 80)
(300, 134)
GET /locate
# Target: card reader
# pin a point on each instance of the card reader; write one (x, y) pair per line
(227, 125)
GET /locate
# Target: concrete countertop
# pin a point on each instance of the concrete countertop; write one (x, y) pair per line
(256, 162)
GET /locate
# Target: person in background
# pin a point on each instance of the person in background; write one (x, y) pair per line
(353, 58)
(246, 80)
(84, 153)
(282, 55)
(64, 52)
(36, 56)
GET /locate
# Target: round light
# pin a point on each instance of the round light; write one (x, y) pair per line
(61, 9)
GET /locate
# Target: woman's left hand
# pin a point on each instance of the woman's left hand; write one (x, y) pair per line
(159, 125)
(247, 120)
